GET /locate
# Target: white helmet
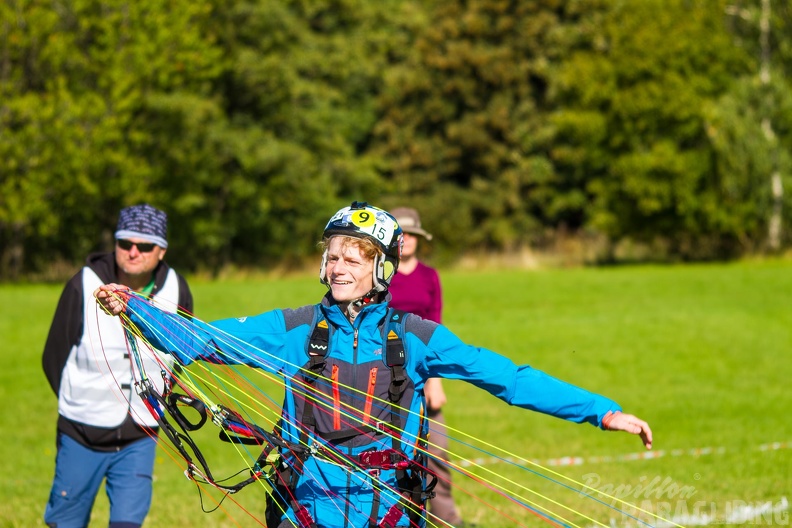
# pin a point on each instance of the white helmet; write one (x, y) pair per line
(361, 220)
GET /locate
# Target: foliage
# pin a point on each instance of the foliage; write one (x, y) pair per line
(80, 87)
(467, 110)
(631, 124)
(745, 157)
(507, 123)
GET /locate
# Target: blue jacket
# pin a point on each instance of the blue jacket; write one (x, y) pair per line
(277, 341)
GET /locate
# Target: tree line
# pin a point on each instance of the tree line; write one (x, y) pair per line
(508, 123)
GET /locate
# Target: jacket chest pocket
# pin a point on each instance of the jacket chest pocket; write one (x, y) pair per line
(350, 397)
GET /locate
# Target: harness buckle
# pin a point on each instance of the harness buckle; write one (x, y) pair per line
(387, 459)
(382, 427)
(314, 449)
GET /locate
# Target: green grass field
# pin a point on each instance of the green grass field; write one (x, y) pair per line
(703, 353)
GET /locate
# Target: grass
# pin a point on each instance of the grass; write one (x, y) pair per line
(701, 352)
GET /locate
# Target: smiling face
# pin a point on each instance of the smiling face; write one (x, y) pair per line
(349, 269)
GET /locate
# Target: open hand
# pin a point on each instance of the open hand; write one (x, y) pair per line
(619, 421)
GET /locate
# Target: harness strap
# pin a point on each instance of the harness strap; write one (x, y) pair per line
(282, 496)
(375, 504)
(395, 358)
(339, 437)
(409, 477)
(317, 350)
(408, 472)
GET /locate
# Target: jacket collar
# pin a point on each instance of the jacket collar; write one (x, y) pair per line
(370, 316)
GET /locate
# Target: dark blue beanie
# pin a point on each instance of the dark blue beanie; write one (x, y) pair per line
(143, 221)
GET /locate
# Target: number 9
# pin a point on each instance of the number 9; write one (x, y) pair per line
(363, 219)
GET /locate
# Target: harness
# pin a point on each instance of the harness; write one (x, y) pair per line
(410, 473)
(233, 427)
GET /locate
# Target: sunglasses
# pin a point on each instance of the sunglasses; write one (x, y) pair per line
(143, 247)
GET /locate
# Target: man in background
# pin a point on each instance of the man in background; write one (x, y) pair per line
(104, 431)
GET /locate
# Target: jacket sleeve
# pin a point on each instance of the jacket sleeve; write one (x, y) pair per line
(65, 332)
(448, 357)
(254, 341)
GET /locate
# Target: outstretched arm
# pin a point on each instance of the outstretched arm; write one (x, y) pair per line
(619, 421)
(523, 386)
(258, 343)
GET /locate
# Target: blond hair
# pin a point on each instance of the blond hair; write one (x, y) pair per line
(367, 247)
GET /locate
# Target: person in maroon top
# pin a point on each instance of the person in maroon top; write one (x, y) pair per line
(416, 289)
(416, 286)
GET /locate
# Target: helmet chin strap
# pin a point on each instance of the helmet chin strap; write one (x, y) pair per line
(366, 299)
(354, 307)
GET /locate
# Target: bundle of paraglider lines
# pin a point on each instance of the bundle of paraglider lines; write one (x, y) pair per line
(240, 402)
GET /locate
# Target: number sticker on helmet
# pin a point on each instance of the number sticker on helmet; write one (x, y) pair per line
(362, 218)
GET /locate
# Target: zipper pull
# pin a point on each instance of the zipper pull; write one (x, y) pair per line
(354, 342)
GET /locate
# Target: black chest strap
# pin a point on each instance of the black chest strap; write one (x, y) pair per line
(395, 359)
(317, 350)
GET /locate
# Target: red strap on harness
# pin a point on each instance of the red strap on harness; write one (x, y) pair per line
(387, 459)
(391, 518)
(304, 518)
